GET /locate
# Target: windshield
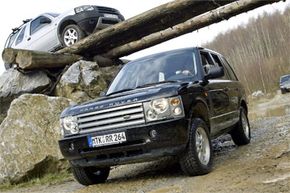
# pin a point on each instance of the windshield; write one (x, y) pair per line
(11, 38)
(179, 65)
(285, 79)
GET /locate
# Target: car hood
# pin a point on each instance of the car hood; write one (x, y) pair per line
(126, 98)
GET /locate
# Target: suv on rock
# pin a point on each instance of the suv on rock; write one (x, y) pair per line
(285, 83)
(168, 104)
(51, 31)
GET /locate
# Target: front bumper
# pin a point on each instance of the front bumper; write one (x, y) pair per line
(171, 139)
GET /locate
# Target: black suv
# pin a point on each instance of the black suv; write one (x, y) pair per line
(168, 104)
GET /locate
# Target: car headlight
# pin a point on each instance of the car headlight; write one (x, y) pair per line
(84, 8)
(163, 108)
(69, 125)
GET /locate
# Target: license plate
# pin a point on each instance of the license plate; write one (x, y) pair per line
(109, 139)
(111, 15)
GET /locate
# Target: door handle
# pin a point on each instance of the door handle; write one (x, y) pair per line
(28, 38)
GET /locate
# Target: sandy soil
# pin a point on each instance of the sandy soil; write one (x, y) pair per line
(260, 167)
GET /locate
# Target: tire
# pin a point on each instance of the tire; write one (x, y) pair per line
(198, 156)
(90, 175)
(283, 91)
(241, 134)
(71, 34)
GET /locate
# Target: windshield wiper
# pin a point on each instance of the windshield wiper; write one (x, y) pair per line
(156, 83)
(119, 91)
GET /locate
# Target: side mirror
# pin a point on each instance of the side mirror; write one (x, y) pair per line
(215, 72)
(44, 20)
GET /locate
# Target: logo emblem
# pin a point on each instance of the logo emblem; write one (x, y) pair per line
(127, 117)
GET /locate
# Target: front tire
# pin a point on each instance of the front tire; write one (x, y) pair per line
(71, 34)
(90, 175)
(241, 134)
(198, 157)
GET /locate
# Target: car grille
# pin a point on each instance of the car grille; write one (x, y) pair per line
(107, 10)
(123, 116)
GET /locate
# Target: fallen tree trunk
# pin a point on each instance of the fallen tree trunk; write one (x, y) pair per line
(28, 59)
(135, 28)
(217, 15)
(9, 56)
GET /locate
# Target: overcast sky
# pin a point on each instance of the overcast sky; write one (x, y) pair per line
(14, 11)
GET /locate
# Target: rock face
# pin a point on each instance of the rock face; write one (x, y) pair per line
(81, 82)
(14, 83)
(29, 138)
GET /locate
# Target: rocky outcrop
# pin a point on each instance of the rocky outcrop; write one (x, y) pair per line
(14, 83)
(29, 138)
(81, 82)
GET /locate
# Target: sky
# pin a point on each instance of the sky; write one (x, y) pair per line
(14, 11)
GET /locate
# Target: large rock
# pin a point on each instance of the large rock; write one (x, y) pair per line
(110, 72)
(14, 83)
(81, 82)
(29, 138)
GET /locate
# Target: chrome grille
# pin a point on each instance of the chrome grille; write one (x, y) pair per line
(123, 116)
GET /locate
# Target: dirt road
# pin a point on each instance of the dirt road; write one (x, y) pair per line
(261, 167)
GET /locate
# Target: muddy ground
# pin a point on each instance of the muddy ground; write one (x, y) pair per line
(260, 167)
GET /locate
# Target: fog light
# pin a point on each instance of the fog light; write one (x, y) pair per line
(153, 133)
(151, 114)
(177, 111)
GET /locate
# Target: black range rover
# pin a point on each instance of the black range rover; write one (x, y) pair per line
(168, 104)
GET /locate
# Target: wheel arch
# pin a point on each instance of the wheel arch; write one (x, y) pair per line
(63, 24)
(199, 109)
(244, 105)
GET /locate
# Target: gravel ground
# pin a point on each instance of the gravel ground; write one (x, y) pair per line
(260, 167)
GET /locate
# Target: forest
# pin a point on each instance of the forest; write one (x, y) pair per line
(258, 51)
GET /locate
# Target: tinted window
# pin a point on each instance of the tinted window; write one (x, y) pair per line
(36, 25)
(21, 36)
(229, 69)
(206, 61)
(179, 65)
(218, 62)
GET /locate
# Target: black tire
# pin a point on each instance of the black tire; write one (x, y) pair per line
(190, 162)
(90, 175)
(76, 32)
(241, 134)
(283, 91)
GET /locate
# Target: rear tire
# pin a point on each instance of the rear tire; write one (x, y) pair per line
(90, 175)
(241, 134)
(198, 157)
(71, 34)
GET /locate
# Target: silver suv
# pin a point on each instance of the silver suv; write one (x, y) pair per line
(51, 31)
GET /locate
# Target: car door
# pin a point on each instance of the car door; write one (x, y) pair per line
(218, 95)
(42, 34)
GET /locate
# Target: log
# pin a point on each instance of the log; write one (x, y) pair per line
(9, 55)
(217, 15)
(135, 28)
(28, 59)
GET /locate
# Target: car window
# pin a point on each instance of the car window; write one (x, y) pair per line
(218, 62)
(229, 69)
(206, 61)
(36, 25)
(21, 36)
(11, 39)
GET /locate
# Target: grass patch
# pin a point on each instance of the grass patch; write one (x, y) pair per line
(49, 179)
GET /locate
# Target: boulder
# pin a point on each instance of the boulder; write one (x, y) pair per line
(29, 138)
(110, 72)
(81, 82)
(14, 83)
